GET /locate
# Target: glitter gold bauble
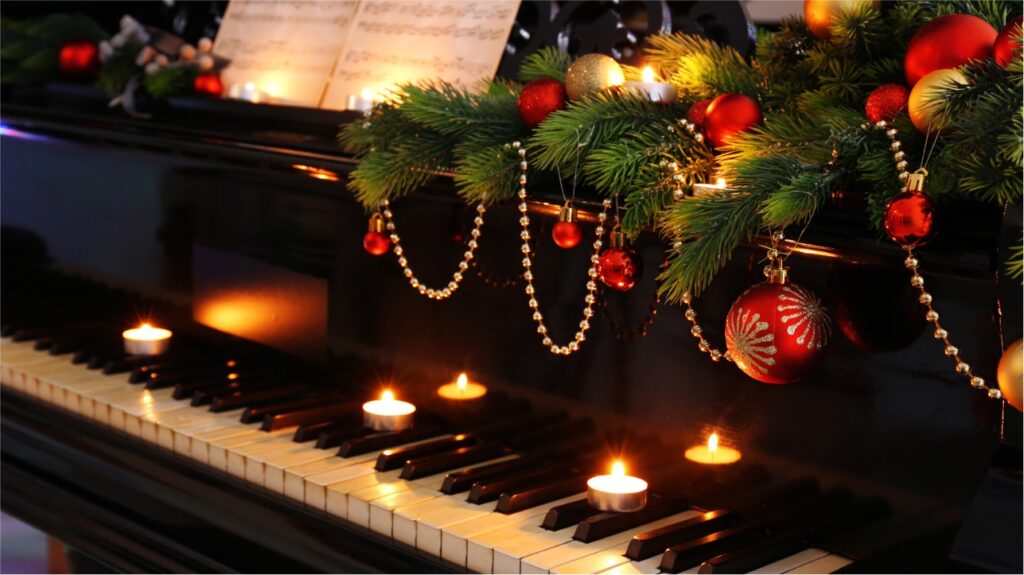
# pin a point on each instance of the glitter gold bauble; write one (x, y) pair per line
(923, 102)
(1011, 376)
(820, 14)
(590, 74)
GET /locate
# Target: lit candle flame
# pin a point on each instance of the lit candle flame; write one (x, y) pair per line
(648, 74)
(720, 183)
(462, 382)
(368, 94)
(388, 395)
(618, 469)
(713, 443)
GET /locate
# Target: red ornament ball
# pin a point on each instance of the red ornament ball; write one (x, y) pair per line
(728, 115)
(79, 60)
(909, 218)
(567, 234)
(1005, 46)
(538, 99)
(376, 243)
(886, 102)
(209, 84)
(777, 332)
(947, 42)
(619, 268)
(697, 111)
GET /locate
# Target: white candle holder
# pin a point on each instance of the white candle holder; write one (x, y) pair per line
(648, 89)
(713, 453)
(462, 389)
(146, 340)
(388, 413)
(617, 492)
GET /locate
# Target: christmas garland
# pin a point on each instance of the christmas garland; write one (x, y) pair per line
(810, 82)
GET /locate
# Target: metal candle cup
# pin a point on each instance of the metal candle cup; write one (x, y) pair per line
(146, 340)
(706, 189)
(462, 389)
(662, 92)
(388, 413)
(617, 492)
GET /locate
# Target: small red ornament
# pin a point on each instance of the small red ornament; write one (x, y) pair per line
(375, 242)
(947, 42)
(886, 102)
(567, 233)
(776, 332)
(209, 84)
(619, 267)
(538, 99)
(728, 115)
(1005, 45)
(79, 59)
(909, 216)
(697, 111)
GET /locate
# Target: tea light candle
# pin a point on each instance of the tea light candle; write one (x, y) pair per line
(248, 92)
(462, 389)
(617, 492)
(146, 340)
(712, 453)
(705, 189)
(651, 90)
(362, 102)
(388, 413)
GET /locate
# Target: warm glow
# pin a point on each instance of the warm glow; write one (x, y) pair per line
(615, 77)
(618, 469)
(720, 183)
(318, 173)
(368, 94)
(713, 443)
(462, 381)
(648, 74)
(462, 389)
(388, 395)
(711, 453)
(146, 332)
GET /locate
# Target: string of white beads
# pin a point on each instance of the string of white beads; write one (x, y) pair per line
(531, 292)
(457, 277)
(698, 332)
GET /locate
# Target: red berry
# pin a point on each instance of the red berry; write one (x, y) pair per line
(619, 268)
(208, 84)
(79, 59)
(886, 102)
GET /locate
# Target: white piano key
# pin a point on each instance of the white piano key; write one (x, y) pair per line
(526, 541)
(184, 433)
(827, 564)
(200, 439)
(335, 495)
(545, 561)
(238, 456)
(219, 449)
(455, 538)
(382, 509)
(647, 566)
(606, 552)
(792, 562)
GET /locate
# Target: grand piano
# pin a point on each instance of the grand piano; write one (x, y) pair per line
(241, 449)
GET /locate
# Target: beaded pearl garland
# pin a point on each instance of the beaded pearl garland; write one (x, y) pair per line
(698, 332)
(590, 299)
(916, 280)
(457, 277)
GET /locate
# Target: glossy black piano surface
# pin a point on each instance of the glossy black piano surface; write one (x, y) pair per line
(236, 216)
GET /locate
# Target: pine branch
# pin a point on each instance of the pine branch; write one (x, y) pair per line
(170, 81)
(700, 68)
(548, 62)
(1015, 261)
(487, 174)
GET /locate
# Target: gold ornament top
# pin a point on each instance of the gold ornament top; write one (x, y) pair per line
(590, 74)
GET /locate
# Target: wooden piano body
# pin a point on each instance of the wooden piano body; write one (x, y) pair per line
(238, 214)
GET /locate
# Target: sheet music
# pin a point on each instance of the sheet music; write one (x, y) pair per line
(286, 48)
(398, 41)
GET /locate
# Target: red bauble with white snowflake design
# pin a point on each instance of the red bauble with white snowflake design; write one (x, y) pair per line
(777, 332)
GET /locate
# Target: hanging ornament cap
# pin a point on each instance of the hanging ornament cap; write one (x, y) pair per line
(917, 181)
(376, 223)
(778, 274)
(616, 239)
(567, 214)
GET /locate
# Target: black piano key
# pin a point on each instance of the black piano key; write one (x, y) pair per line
(461, 457)
(221, 385)
(251, 396)
(72, 345)
(756, 555)
(651, 543)
(602, 525)
(562, 516)
(331, 412)
(311, 431)
(395, 458)
(856, 516)
(163, 381)
(334, 437)
(196, 366)
(491, 489)
(693, 553)
(459, 481)
(258, 413)
(526, 498)
(126, 363)
(385, 439)
(99, 353)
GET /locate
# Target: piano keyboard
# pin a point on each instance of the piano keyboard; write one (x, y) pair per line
(458, 494)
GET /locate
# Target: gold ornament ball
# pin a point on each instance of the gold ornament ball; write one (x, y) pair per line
(923, 102)
(1011, 375)
(820, 14)
(590, 74)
